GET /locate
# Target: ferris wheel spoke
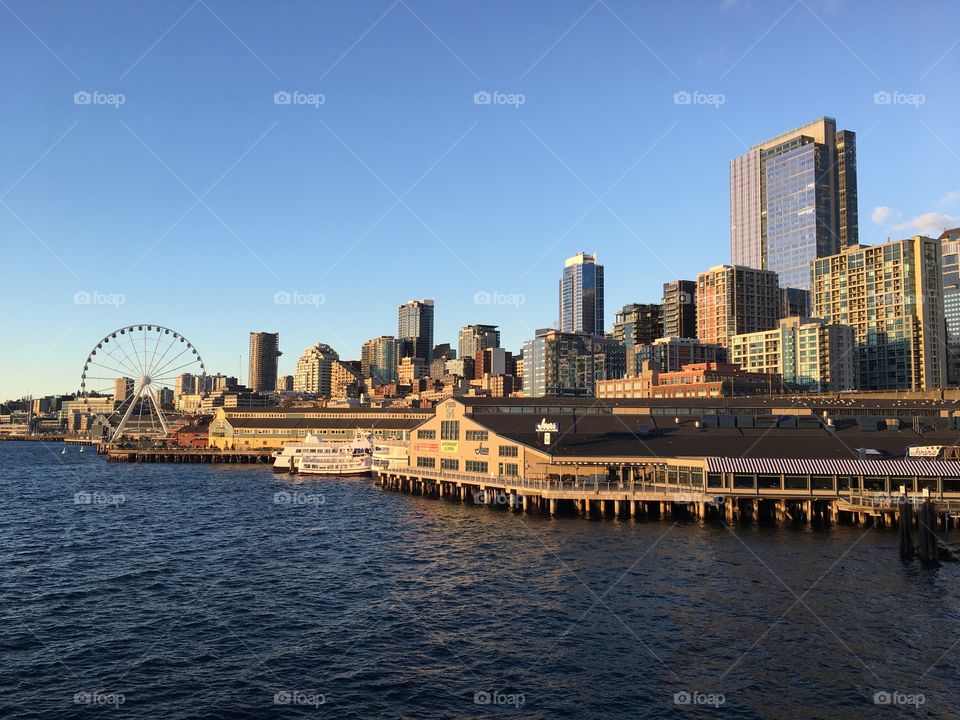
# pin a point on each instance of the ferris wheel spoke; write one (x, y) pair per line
(172, 360)
(173, 372)
(135, 356)
(122, 362)
(153, 355)
(123, 373)
(166, 350)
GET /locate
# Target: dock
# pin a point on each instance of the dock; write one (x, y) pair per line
(187, 455)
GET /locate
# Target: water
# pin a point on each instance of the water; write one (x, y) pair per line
(187, 591)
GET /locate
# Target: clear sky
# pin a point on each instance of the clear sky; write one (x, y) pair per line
(182, 194)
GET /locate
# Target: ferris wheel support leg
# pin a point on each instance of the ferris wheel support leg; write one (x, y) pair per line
(126, 415)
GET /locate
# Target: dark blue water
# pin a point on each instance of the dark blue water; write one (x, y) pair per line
(191, 592)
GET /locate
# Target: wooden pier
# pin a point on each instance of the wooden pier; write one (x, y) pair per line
(188, 455)
(644, 499)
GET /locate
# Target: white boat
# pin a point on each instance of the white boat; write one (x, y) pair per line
(390, 454)
(317, 456)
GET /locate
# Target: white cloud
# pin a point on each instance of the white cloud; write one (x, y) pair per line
(881, 214)
(931, 224)
(950, 198)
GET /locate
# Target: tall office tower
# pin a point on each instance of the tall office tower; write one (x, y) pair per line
(638, 324)
(950, 243)
(315, 369)
(793, 199)
(581, 295)
(185, 384)
(415, 325)
(378, 360)
(264, 351)
(680, 309)
(477, 337)
(892, 295)
(285, 383)
(559, 363)
(733, 300)
(123, 388)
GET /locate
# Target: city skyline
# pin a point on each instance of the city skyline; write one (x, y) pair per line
(90, 188)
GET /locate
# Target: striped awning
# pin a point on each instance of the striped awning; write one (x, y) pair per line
(796, 466)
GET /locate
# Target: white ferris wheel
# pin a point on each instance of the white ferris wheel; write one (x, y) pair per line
(138, 367)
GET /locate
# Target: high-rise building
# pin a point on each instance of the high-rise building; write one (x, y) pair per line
(477, 337)
(346, 381)
(680, 309)
(264, 351)
(950, 244)
(808, 352)
(123, 388)
(581, 295)
(892, 295)
(415, 326)
(558, 363)
(793, 199)
(638, 324)
(285, 383)
(314, 370)
(732, 300)
(378, 360)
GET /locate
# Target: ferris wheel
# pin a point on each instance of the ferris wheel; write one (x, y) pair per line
(131, 375)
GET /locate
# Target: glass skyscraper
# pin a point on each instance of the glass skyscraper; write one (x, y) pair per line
(415, 330)
(581, 295)
(794, 199)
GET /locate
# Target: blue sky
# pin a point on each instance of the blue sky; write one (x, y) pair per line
(183, 195)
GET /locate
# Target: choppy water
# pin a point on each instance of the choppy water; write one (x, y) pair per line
(191, 592)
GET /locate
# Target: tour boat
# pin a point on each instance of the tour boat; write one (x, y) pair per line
(317, 456)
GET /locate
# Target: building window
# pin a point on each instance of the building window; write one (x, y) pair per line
(449, 429)
(508, 451)
(510, 469)
(476, 466)
(426, 462)
(477, 435)
(448, 464)
(426, 434)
